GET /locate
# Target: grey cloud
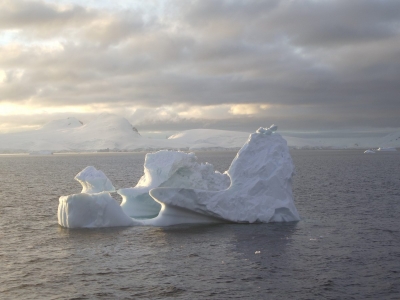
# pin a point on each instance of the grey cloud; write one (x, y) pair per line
(39, 19)
(40, 15)
(338, 60)
(321, 23)
(336, 23)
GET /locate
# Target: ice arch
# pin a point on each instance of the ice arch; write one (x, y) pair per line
(169, 169)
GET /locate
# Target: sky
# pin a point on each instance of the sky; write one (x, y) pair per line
(170, 65)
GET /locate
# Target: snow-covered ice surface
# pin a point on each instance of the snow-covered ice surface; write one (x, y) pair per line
(391, 140)
(259, 190)
(94, 181)
(169, 169)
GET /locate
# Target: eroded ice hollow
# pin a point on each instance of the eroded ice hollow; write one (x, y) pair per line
(169, 169)
(176, 189)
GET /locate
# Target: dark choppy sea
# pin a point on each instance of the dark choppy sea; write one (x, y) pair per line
(347, 245)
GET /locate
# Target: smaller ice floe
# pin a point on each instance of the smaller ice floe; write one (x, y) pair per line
(91, 211)
(387, 149)
(93, 207)
(94, 181)
(369, 151)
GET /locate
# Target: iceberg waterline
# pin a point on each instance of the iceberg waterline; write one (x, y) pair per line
(176, 189)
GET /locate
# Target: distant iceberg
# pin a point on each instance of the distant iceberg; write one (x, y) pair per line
(369, 151)
(387, 149)
(175, 189)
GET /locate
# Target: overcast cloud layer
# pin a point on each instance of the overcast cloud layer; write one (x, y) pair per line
(175, 65)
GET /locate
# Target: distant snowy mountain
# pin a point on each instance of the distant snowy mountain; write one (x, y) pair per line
(197, 139)
(391, 140)
(213, 139)
(107, 131)
(113, 132)
(62, 124)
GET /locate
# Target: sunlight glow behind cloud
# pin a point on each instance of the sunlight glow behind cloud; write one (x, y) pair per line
(211, 63)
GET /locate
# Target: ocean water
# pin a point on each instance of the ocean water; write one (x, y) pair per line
(346, 246)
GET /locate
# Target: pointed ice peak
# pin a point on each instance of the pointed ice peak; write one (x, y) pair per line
(94, 181)
(268, 131)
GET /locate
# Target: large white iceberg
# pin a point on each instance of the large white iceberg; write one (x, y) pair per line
(256, 188)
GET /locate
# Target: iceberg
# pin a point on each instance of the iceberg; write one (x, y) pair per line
(176, 189)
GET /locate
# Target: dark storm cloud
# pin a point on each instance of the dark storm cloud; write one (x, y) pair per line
(324, 63)
(337, 23)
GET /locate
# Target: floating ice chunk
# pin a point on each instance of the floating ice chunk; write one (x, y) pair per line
(387, 149)
(169, 169)
(260, 189)
(94, 181)
(369, 151)
(91, 211)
